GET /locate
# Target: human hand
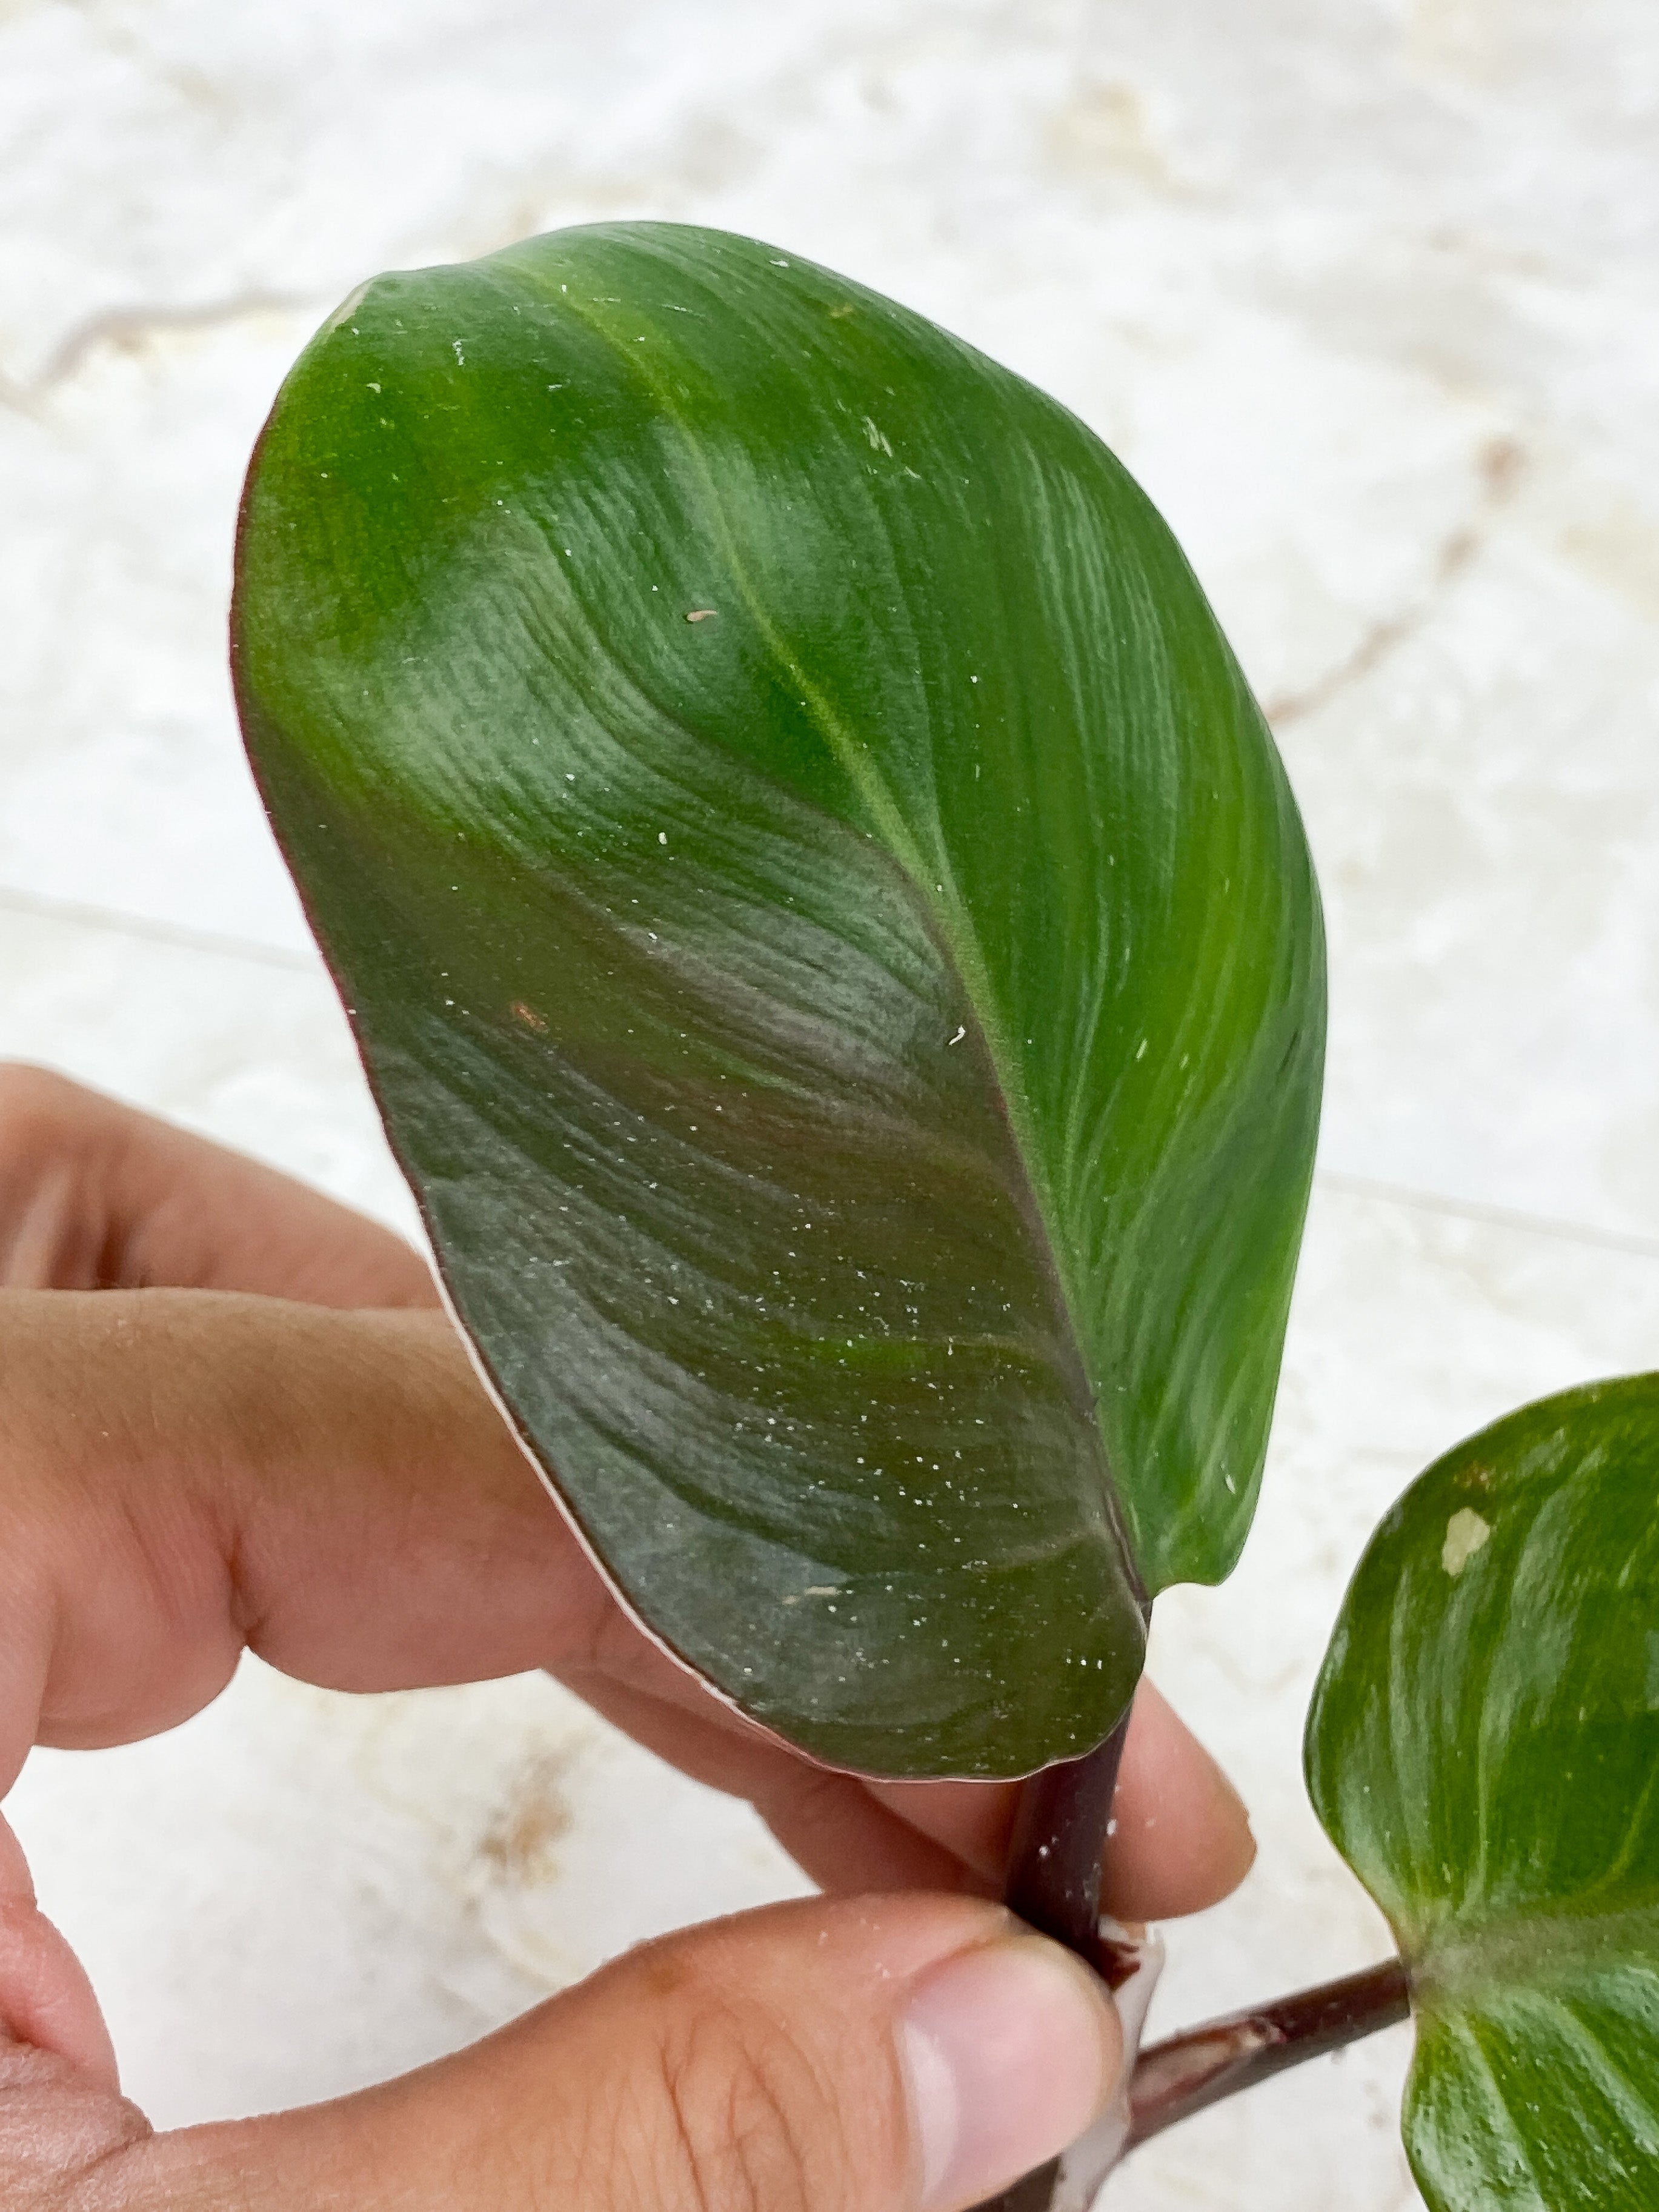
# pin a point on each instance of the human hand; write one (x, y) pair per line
(191, 1471)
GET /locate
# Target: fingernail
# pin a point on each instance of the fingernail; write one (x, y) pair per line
(1012, 2051)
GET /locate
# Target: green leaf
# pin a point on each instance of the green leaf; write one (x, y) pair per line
(1484, 1751)
(834, 949)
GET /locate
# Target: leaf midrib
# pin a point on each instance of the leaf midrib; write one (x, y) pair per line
(1519, 1950)
(947, 922)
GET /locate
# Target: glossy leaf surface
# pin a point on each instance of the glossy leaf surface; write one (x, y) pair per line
(1484, 1750)
(834, 949)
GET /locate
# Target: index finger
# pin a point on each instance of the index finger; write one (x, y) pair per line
(191, 1474)
(95, 1195)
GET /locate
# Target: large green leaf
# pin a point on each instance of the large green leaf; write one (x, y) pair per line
(834, 946)
(1484, 1750)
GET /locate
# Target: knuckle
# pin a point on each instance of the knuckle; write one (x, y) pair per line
(603, 1641)
(748, 2126)
(809, 1813)
(49, 1145)
(33, 1101)
(65, 2146)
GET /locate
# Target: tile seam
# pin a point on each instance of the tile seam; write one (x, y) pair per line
(222, 946)
(1492, 1217)
(110, 919)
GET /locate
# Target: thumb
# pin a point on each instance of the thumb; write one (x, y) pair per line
(910, 2054)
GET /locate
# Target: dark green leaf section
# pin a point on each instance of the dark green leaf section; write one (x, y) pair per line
(834, 948)
(1484, 1750)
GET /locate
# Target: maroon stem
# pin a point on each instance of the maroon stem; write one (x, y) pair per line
(1054, 1858)
(1174, 2079)
(1054, 1883)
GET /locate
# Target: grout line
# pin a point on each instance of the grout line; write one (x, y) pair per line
(131, 326)
(1352, 1186)
(1497, 1217)
(160, 933)
(1497, 465)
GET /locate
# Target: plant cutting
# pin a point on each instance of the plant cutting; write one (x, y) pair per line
(838, 959)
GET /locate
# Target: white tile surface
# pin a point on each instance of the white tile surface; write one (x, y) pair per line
(121, 783)
(298, 1893)
(1411, 1328)
(1370, 297)
(254, 1051)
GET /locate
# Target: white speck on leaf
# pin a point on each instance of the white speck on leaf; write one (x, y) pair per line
(878, 438)
(662, 837)
(959, 1035)
(459, 355)
(1465, 1532)
(703, 614)
(1140, 1049)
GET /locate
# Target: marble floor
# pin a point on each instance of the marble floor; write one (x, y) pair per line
(1368, 295)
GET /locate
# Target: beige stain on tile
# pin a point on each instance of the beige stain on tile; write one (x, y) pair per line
(1368, 299)
(1465, 38)
(1615, 543)
(519, 1844)
(1103, 133)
